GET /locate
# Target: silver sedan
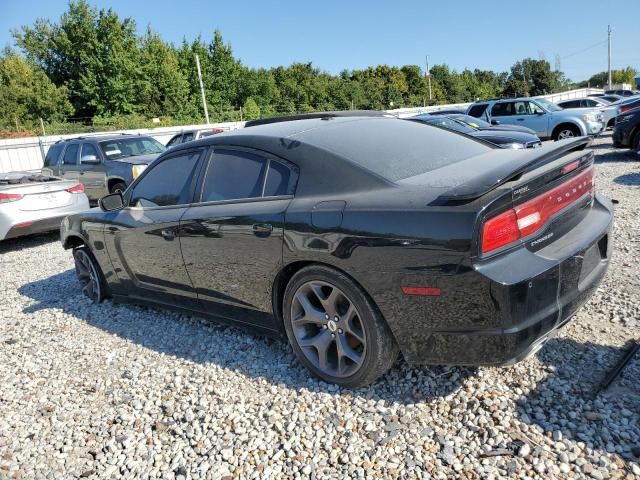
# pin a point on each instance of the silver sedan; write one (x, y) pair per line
(35, 203)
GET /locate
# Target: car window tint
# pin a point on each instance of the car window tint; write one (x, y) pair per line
(88, 149)
(477, 110)
(166, 183)
(232, 175)
(71, 154)
(279, 181)
(502, 109)
(174, 141)
(53, 155)
(187, 137)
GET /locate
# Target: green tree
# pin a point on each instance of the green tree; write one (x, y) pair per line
(534, 77)
(251, 109)
(27, 94)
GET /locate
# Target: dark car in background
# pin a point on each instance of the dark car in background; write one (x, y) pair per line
(621, 92)
(191, 135)
(358, 238)
(103, 164)
(501, 138)
(628, 104)
(626, 132)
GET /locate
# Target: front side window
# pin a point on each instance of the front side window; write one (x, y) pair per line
(187, 137)
(535, 109)
(71, 154)
(174, 141)
(233, 175)
(131, 147)
(166, 183)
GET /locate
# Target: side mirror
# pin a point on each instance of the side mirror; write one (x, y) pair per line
(538, 112)
(89, 159)
(111, 202)
(495, 122)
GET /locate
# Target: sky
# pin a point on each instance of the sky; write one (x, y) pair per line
(353, 34)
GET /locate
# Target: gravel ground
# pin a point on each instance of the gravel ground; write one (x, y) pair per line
(116, 391)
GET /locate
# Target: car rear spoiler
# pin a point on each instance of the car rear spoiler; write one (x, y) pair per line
(498, 173)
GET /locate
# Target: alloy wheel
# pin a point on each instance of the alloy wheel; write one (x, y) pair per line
(87, 275)
(567, 133)
(328, 329)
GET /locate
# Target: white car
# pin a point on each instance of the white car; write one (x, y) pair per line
(191, 135)
(609, 111)
(35, 203)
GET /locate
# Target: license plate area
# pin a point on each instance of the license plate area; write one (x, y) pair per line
(593, 256)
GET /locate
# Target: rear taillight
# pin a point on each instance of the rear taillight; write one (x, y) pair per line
(624, 108)
(530, 216)
(76, 189)
(10, 197)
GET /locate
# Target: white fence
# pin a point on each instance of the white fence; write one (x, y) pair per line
(28, 153)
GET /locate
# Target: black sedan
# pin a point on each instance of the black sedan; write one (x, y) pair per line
(357, 238)
(626, 132)
(502, 138)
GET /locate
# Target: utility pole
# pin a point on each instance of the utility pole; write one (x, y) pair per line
(609, 56)
(204, 100)
(428, 74)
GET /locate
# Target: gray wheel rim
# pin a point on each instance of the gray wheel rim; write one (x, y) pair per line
(566, 134)
(328, 329)
(87, 275)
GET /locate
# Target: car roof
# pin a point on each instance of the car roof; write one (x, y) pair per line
(100, 138)
(328, 114)
(360, 152)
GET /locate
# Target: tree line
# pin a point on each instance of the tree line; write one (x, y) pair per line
(92, 67)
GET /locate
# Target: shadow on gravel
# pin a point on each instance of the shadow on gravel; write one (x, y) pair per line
(608, 153)
(204, 341)
(631, 179)
(31, 241)
(565, 400)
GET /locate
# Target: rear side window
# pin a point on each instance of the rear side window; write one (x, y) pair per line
(502, 109)
(280, 180)
(187, 137)
(477, 110)
(71, 154)
(174, 141)
(53, 155)
(166, 183)
(233, 175)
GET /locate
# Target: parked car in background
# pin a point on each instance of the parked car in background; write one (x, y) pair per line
(501, 138)
(628, 104)
(545, 118)
(103, 164)
(34, 203)
(482, 125)
(357, 239)
(610, 98)
(608, 110)
(626, 133)
(191, 135)
(621, 92)
(446, 112)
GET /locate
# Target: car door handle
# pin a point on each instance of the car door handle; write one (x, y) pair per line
(168, 233)
(521, 119)
(262, 229)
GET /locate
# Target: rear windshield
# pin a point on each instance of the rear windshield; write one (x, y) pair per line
(392, 148)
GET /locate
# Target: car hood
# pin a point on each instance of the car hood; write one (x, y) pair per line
(505, 137)
(572, 112)
(139, 159)
(513, 128)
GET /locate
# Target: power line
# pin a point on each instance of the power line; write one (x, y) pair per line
(585, 49)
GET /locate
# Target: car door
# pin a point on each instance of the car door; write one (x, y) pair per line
(70, 164)
(502, 113)
(142, 238)
(92, 171)
(537, 119)
(232, 239)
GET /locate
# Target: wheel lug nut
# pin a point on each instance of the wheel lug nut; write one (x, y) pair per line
(324, 326)
(326, 316)
(336, 318)
(339, 330)
(333, 335)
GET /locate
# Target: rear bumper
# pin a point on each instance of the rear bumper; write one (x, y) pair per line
(32, 227)
(507, 308)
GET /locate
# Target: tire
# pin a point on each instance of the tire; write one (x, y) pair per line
(358, 347)
(90, 275)
(118, 187)
(565, 131)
